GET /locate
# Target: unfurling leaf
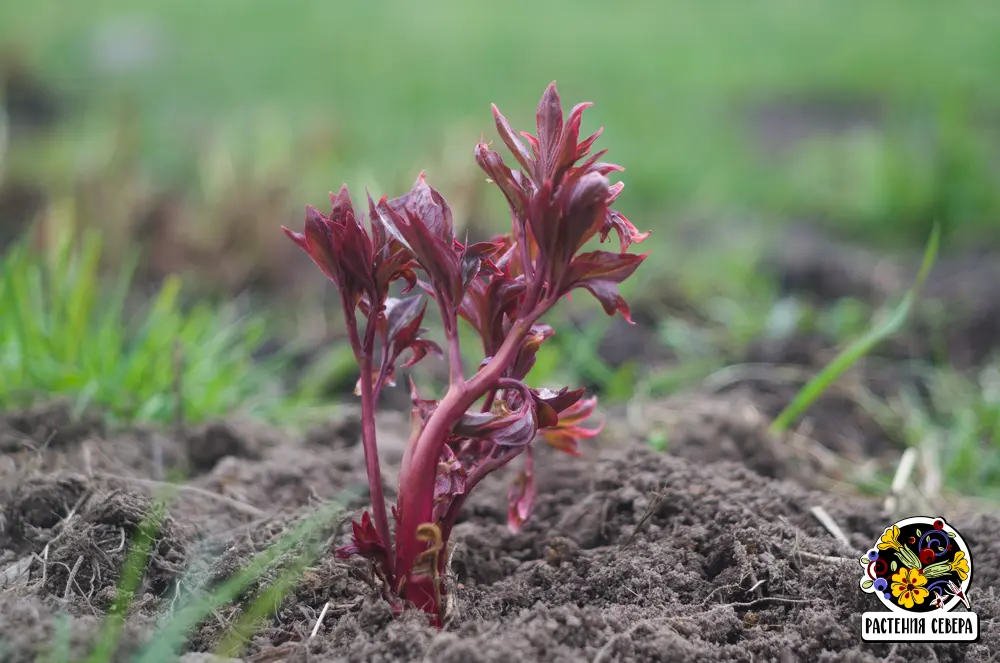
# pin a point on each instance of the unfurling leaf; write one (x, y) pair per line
(627, 233)
(403, 318)
(558, 400)
(449, 482)
(512, 142)
(568, 432)
(339, 246)
(422, 220)
(529, 350)
(365, 542)
(399, 313)
(512, 424)
(498, 172)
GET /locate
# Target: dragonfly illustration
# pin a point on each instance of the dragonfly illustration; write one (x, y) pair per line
(957, 591)
(937, 601)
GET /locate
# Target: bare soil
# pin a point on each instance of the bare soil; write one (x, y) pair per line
(711, 551)
(632, 555)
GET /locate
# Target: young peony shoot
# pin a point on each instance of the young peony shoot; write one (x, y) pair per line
(560, 197)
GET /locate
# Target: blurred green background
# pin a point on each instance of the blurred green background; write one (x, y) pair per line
(849, 112)
(191, 129)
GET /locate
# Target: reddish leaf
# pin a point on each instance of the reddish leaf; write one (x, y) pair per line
(493, 165)
(627, 233)
(403, 330)
(549, 120)
(558, 400)
(606, 168)
(449, 482)
(585, 207)
(522, 493)
(342, 249)
(583, 147)
(534, 145)
(545, 415)
(566, 153)
(342, 207)
(566, 435)
(614, 191)
(529, 350)
(429, 206)
(475, 258)
(318, 243)
(365, 542)
(486, 303)
(520, 432)
(600, 272)
(480, 424)
(422, 406)
(422, 221)
(515, 146)
(544, 220)
(421, 348)
(505, 426)
(392, 258)
(400, 313)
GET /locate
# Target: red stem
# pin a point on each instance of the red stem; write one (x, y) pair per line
(417, 485)
(364, 355)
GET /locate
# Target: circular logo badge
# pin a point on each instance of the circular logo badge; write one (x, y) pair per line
(918, 565)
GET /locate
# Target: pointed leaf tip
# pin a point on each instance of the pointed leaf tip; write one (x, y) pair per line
(296, 237)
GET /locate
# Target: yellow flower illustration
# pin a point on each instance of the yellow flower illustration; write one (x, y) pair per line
(908, 587)
(889, 539)
(960, 565)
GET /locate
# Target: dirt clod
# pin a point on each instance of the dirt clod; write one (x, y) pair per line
(50, 425)
(209, 444)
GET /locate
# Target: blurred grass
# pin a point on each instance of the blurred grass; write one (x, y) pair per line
(678, 85)
(66, 332)
(955, 426)
(860, 347)
(287, 557)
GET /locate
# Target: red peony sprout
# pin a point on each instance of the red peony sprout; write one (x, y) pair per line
(560, 197)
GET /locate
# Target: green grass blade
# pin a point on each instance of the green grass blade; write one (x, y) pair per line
(264, 606)
(15, 312)
(131, 578)
(81, 300)
(110, 336)
(59, 268)
(171, 636)
(62, 338)
(861, 347)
